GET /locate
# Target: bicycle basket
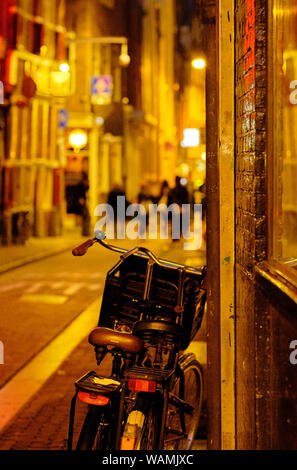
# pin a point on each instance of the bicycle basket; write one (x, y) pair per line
(122, 302)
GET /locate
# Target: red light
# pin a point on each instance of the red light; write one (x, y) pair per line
(12, 9)
(142, 385)
(93, 398)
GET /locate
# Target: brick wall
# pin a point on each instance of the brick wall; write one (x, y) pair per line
(253, 327)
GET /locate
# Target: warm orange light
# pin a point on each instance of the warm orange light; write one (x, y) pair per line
(198, 63)
(78, 139)
(64, 67)
(124, 60)
(93, 398)
(142, 385)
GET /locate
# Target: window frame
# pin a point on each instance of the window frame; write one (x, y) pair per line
(279, 274)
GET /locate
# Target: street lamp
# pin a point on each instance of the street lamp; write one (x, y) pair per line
(78, 139)
(64, 67)
(124, 58)
(198, 63)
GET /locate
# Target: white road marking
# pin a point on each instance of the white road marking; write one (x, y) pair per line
(13, 285)
(44, 299)
(73, 288)
(15, 394)
(93, 286)
(96, 275)
(70, 288)
(35, 287)
(57, 285)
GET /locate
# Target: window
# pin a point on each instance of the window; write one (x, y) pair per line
(282, 131)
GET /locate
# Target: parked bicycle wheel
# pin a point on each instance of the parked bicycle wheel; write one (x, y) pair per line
(140, 432)
(92, 435)
(188, 386)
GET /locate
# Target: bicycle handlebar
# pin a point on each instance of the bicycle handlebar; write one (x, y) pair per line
(99, 237)
(81, 249)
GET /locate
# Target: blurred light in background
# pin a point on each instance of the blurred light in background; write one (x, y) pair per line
(78, 139)
(124, 60)
(200, 165)
(64, 67)
(198, 63)
(184, 169)
(183, 181)
(198, 182)
(43, 50)
(203, 156)
(99, 121)
(191, 138)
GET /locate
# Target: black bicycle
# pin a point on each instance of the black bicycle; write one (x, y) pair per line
(150, 312)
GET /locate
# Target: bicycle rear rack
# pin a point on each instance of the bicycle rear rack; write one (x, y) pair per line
(148, 373)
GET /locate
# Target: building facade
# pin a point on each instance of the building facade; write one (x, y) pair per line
(132, 129)
(252, 295)
(33, 42)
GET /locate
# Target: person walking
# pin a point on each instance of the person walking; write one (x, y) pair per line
(81, 204)
(178, 195)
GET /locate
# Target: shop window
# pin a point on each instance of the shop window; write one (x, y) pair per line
(12, 30)
(38, 31)
(282, 131)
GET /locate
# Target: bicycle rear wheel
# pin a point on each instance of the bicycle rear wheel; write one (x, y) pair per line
(92, 435)
(140, 432)
(181, 428)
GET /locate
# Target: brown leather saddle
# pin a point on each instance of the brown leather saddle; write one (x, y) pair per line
(127, 342)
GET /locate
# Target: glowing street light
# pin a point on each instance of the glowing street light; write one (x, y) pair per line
(64, 67)
(198, 63)
(124, 58)
(77, 139)
(191, 138)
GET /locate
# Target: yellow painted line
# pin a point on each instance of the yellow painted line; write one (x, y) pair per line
(44, 299)
(15, 394)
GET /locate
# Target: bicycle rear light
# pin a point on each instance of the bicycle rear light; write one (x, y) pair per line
(140, 385)
(93, 398)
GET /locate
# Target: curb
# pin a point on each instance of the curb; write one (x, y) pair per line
(31, 259)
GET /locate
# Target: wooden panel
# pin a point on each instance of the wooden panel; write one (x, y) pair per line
(213, 230)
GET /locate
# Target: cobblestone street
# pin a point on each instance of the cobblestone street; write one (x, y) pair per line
(40, 301)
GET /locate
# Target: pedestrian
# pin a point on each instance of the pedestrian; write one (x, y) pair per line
(164, 192)
(162, 202)
(178, 195)
(119, 219)
(81, 204)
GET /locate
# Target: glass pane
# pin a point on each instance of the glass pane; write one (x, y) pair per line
(284, 129)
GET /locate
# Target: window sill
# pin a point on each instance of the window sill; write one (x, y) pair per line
(278, 279)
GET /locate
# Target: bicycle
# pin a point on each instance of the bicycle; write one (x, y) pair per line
(151, 310)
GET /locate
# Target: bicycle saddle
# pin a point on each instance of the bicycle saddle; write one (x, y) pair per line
(127, 342)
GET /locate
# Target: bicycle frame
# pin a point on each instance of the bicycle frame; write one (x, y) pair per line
(117, 399)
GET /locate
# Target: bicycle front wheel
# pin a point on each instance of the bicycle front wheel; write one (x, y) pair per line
(181, 427)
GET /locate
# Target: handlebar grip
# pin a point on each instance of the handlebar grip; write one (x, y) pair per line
(81, 249)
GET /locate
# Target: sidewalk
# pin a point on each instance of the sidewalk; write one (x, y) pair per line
(35, 249)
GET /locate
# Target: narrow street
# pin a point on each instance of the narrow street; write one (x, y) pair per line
(174, 120)
(41, 301)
